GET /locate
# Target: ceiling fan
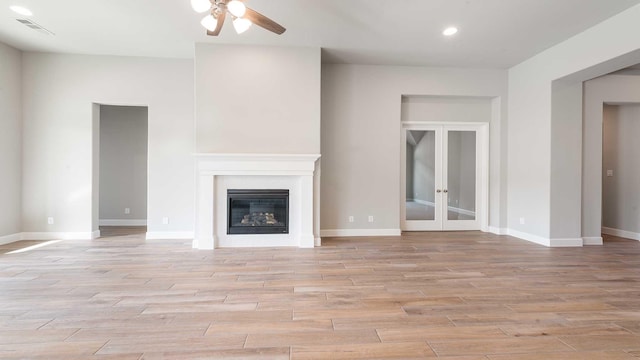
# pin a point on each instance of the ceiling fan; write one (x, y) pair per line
(242, 16)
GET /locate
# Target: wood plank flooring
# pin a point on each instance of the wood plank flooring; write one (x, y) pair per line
(452, 295)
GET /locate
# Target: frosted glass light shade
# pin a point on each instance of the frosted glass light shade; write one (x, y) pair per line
(24, 11)
(209, 22)
(236, 8)
(450, 31)
(200, 5)
(241, 25)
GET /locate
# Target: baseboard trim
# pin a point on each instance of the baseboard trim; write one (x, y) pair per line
(621, 233)
(95, 234)
(122, 222)
(566, 242)
(497, 230)
(359, 232)
(592, 240)
(8, 239)
(169, 235)
(58, 235)
(529, 237)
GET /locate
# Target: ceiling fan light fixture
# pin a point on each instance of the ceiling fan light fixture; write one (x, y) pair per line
(236, 8)
(452, 30)
(209, 22)
(200, 5)
(241, 25)
(21, 10)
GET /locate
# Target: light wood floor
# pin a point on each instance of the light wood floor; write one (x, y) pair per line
(455, 295)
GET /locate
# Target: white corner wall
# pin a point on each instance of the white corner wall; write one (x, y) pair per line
(10, 143)
(60, 93)
(540, 188)
(361, 140)
(123, 165)
(257, 99)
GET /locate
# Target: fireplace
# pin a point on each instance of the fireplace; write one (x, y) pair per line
(257, 211)
(219, 173)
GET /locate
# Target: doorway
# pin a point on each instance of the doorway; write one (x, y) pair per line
(122, 169)
(621, 173)
(443, 177)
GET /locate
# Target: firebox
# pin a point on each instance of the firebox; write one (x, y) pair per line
(257, 211)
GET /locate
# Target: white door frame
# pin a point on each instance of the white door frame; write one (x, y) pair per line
(482, 171)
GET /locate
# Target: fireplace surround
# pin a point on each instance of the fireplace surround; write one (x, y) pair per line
(217, 173)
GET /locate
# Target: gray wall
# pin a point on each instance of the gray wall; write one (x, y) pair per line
(361, 137)
(566, 147)
(541, 129)
(445, 109)
(10, 140)
(123, 162)
(59, 93)
(257, 99)
(621, 192)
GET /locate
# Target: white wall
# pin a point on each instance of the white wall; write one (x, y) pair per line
(123, 164)
(60, 92)
(543, 137)
(10, 142)
(361, 137)
(257, 99)
(621, 191)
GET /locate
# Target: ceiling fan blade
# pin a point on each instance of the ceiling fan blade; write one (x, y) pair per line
(218, 25)
(263, 21)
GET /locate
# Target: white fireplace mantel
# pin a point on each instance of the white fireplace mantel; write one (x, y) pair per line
(217, 172)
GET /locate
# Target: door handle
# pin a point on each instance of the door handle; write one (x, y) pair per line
(445, 190)
(438, 191)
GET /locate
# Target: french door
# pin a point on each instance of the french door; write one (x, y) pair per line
(443, 177)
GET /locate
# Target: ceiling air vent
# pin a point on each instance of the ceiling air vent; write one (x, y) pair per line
(35, 26)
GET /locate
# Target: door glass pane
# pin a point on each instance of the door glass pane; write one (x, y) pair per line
(421, 161)
(461, 175)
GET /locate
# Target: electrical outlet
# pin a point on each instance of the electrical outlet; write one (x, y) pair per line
(370, 218)
(50, 220)
(165, 221)
(350, 218)
(521, 221)
(127, 210)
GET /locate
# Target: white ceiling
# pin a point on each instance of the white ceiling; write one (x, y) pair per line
(493, 33)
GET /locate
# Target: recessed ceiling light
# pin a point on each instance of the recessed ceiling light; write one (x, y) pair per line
(21, 10)
(450, 31)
